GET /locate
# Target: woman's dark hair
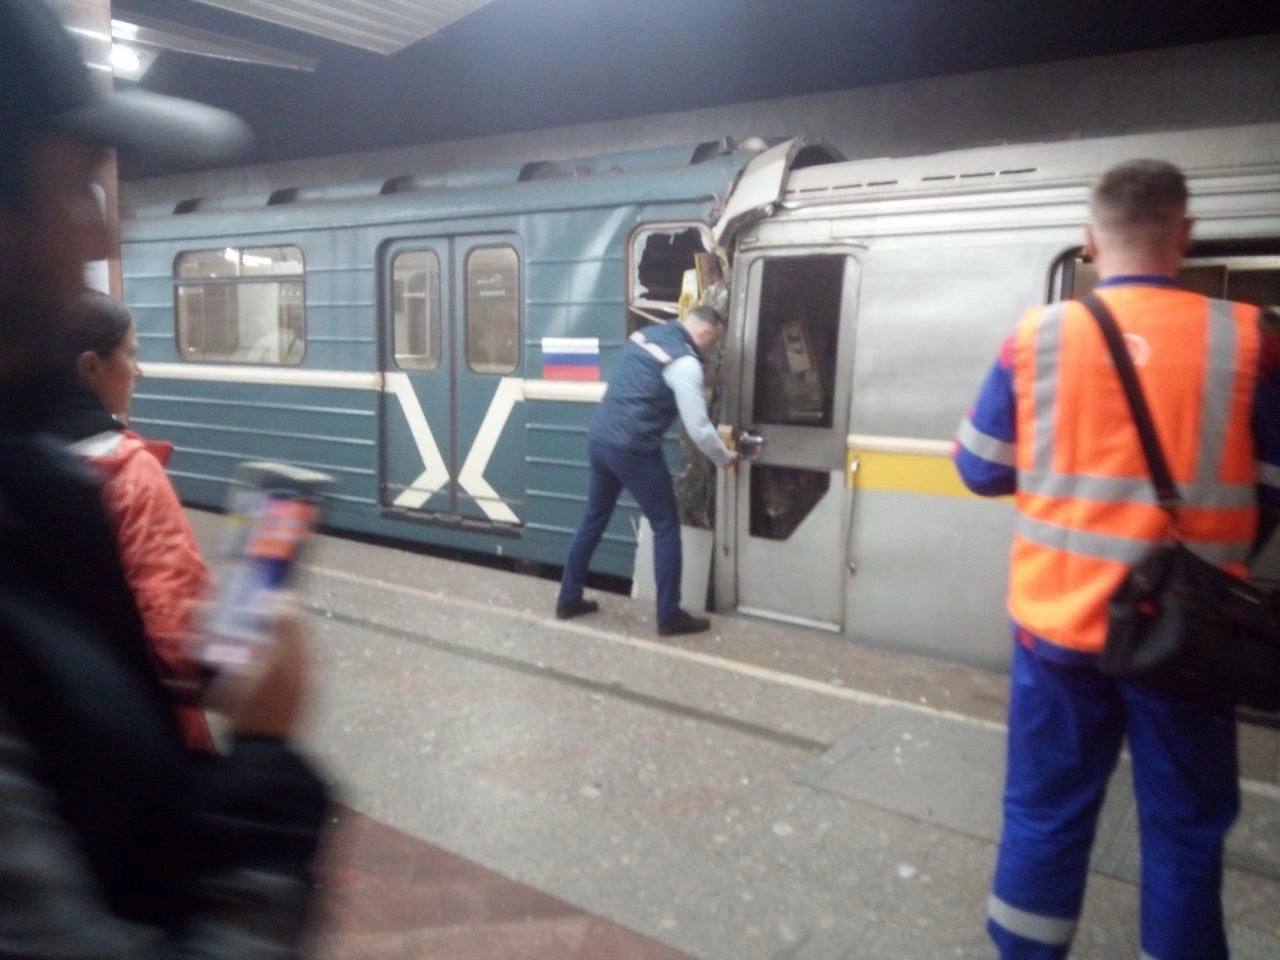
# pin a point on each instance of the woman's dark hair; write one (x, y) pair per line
(94, 321)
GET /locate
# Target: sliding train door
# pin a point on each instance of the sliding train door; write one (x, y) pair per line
(451, 426)
(488, 416)
(794, 347)
(416, 432)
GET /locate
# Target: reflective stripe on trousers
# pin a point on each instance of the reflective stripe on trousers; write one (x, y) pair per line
(1066, 728)
(1051, 931)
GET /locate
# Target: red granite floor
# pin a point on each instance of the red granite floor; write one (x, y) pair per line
(388, 896)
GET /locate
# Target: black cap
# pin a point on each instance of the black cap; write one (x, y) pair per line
(45, 88)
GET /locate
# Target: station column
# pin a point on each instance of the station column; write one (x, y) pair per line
(90, 23)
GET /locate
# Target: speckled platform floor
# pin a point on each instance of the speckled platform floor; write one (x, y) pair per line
(659, 787)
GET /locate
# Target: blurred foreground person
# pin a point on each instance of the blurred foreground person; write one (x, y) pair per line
(115, 840)
(90, 392)
(1052, 424)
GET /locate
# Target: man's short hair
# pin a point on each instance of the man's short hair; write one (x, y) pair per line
(705, 315)
(1142, 200)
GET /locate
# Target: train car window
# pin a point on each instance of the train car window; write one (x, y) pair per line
(493, 309)
(415, 304)
(240, 305)
(1248, 274)
(657, 258)
(781, 497)
(797, 335)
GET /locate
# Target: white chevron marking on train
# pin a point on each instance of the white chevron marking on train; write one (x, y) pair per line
(436, 474)
(471, 477)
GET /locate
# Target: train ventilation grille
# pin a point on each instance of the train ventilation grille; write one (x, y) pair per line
(926, 180)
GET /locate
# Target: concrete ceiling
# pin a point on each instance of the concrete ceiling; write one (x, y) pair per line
(514, 65)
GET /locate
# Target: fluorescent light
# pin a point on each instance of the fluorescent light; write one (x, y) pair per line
(149, 36)
(125, 59)
(231, 254)
(253, 260)
(130, 63)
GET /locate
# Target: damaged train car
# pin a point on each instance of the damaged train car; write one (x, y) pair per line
(438, 344)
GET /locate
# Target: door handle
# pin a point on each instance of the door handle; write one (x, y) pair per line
(750, 444)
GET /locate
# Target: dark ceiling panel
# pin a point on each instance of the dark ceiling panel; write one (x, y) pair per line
(528, 64)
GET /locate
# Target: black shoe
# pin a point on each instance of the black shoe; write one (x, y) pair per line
(575, 608)
(683, 622)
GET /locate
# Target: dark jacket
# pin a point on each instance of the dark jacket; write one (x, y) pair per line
(638, 406)
(116, 841)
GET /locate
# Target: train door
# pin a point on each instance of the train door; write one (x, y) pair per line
(416, 430)
(450, 358)
(790, 504)
(486, 361)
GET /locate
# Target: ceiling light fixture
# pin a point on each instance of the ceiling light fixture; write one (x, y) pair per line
(129, 62)
(150, 35)
(381, 26)
(123, 30)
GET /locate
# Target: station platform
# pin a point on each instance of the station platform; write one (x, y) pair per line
(518, 788)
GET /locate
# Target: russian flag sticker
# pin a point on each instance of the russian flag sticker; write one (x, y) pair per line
(571, 358)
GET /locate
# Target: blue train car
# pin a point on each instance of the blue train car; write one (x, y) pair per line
(435, 344)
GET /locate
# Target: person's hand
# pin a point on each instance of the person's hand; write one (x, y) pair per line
(732, 464)
(273, 703)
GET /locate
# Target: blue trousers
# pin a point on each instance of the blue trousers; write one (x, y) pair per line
(1066, 724)
(646, 477)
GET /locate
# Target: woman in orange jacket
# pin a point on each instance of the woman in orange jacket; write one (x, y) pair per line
(158, 550)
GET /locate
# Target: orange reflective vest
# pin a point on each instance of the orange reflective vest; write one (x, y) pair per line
(1087, 508)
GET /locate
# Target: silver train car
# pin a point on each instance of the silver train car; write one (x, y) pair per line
(898, 279)
(868, 299)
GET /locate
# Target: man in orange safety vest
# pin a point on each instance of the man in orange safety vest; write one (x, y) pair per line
(1051, 425)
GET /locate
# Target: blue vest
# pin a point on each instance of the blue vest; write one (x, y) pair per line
(638, 406)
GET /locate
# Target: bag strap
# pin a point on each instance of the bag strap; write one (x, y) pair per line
(1166, 490)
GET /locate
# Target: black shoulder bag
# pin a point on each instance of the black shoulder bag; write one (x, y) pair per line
(1179, 623)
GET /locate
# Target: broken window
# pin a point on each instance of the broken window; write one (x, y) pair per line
(797, 337)
(781, 497)
(658, 258)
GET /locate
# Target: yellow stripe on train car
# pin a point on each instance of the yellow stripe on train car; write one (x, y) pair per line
(932, 474)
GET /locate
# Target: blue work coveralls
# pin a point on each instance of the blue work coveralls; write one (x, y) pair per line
(1067, 722)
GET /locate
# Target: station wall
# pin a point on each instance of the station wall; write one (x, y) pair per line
(1200, 85)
